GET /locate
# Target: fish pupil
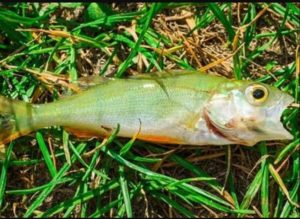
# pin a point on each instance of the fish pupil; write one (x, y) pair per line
(258, 93)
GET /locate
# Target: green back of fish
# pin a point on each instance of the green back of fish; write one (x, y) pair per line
(155, 101)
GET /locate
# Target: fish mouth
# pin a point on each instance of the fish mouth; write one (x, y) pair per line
(286, 103)
(276, 128)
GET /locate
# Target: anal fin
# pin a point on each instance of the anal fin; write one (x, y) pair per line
(85, 134)
(160, 139)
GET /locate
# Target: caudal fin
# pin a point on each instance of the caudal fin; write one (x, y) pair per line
(15, 119)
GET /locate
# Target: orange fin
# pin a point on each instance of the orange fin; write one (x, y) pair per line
(87, 134)
(160, 139)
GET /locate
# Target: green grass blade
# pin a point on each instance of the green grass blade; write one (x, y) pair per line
(133, 52)
(278, 208)
(110, 20)
(3, 177)
(285, 213)
(39, 200)
(283, 153)
(265, 182)
(232, 190)
(281, 184)
(125, 193)
(105, 208)
(84, 205)
(288, 208)
(38, 188)
(66, 147)
(223, 19)
(198, 172)
(174, 204)
(252, 191)
(46, 154)
(202, 195)
(80, 198)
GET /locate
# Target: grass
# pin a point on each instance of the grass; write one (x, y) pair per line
(45, 47)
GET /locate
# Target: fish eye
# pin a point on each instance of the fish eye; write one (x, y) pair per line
(256, 94)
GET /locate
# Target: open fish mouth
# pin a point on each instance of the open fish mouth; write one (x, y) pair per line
(278, 131)
(273, 128)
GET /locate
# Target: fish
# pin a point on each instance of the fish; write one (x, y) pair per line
(167, 107)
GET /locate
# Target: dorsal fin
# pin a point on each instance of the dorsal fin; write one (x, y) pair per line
(92, 80)
(87, 82)
(157, 76)
(164, 74)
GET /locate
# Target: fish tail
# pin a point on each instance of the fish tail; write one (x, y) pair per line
(15, 119)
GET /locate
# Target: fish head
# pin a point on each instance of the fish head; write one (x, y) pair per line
(247, 112)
